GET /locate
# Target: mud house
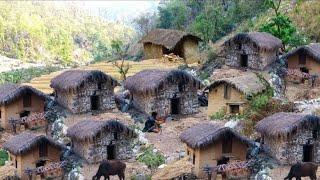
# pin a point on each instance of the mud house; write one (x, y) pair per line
(211, 144)
(165, 41)
(167, 92)
(232, 95)
(95, 141)
(28, 150)
(254, 50)
(18, 101)
(305, 58)
(291, 137)
(83, 91)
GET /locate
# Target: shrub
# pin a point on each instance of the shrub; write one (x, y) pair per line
(150, 158)
(218, 115)
(3, 157)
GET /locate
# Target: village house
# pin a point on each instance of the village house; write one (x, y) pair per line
(212, 144)
(291, 137)
(165, 41)
(19, 101)
(254, 50)
(28, 150)
(232, 95)
(83, 91)
(167, 92)
(95, 141)
(305, 58)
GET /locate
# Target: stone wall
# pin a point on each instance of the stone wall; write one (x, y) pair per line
(291, 151)
(256, 59)
(95, 150)
(79, 101)
(161, 102)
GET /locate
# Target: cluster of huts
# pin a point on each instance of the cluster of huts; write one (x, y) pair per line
(289, 137)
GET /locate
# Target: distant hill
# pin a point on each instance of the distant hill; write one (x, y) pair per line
(46, 32)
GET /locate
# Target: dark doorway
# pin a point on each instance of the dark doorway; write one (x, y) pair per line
(43, 149)
(244, 60)
(95, 102)
(111, 151)
(24, 114)
(234, 109)
(304, 70)
(27, 100)
(40, 163)
(308, 153)
(175, 106)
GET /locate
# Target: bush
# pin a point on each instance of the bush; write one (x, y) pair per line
(218, 115)
(3, 157)
(150, 158)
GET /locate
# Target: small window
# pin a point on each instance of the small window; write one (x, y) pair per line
(0, 115)
(302, 59)
(226, 91)
(27, 100)
(227, 145)
(16, 163)
(234, 109)
(99, 85)
(43, 149)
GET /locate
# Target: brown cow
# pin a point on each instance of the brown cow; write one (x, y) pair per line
(303, 169)
(112, 167)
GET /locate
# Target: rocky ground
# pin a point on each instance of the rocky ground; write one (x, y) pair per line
(282, 172)
(8, 64)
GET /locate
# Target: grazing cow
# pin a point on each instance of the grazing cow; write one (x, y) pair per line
(303, 169)
(112, 167)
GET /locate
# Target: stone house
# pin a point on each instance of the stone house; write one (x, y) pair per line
(167, 92)
(95, 141)
(291, 137)
(165, 41)
(212, 144)
(231, 95)
(83, 91)
(254, 50)
(305, 58)
(28, 150)
(19, 101)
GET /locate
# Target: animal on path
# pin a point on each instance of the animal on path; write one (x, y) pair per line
(110, 167)
(303, 169)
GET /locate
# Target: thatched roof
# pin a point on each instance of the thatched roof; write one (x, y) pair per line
(25, 141)
(88, 129)
(168, 38)
(312, 50)
(284, 123)
(263, 41)
(248, 84)
(153, 80)
(10, 92)
(202, 135)
(74, 79)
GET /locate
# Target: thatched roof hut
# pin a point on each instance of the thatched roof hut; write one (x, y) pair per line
(248, 84)
(153, 80)
(24, 142)
(284, 124)
(88, 129)
(168, 38)
(10, 92)
(312, 50)
(74, 79)
(205, 134)
(263, 41)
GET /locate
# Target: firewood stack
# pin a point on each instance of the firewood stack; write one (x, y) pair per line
(172, 58)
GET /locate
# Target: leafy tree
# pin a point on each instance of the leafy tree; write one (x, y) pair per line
(173, 15)
(145, 22)
(119, 52)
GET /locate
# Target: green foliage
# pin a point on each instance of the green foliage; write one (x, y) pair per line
(3, 157)
(150, 158)
(25, 75)
(64, 34)
(220, 115)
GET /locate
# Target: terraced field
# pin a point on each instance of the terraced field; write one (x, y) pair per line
(42, 83)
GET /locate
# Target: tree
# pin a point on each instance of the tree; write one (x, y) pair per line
(119, 52)
(281, 26)
(145, 22)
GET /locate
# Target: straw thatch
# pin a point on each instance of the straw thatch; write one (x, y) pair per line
(284, 123)
(205, 134)
(263, 41)
(312, 50)
(74, 79)
(152, 80)
(248, 84)
(25, 141)
(167, 37)
(88, 129)
(10, 92)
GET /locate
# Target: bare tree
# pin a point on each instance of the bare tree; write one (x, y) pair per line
(119, 53)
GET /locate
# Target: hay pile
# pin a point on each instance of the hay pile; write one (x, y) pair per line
(7, 171)
(172, 58)
(174, 170)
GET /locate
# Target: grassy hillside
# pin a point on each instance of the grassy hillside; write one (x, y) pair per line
(44, 31)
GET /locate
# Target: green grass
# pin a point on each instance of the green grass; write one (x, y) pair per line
(3, 157)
